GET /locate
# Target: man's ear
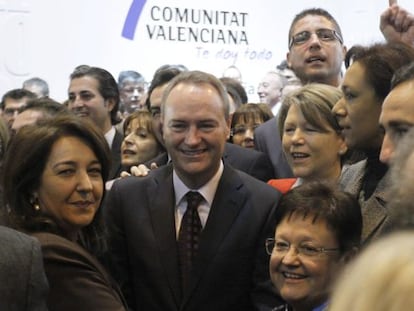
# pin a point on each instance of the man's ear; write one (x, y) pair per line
(161, 130)
(110, 104)
(288, 60)
(228, 123)
(344, 50)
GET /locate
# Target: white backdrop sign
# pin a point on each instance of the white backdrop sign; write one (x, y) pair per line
(48, 38)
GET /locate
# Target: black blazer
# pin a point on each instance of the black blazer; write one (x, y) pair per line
(116, 156)
(252, 162)
(267, 140)
(231, 271)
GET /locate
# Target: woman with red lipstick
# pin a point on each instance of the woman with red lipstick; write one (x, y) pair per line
(56, 171)
(311, 138)
(318, 230)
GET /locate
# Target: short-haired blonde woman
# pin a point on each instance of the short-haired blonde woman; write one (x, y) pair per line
(311, 138)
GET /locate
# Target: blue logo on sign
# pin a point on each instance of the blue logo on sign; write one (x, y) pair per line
(132, 18)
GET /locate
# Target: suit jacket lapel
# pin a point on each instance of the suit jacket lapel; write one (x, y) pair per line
(163, 224)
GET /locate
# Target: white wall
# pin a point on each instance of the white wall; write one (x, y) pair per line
(48, 38)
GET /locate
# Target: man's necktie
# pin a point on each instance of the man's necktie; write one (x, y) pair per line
(188, 236)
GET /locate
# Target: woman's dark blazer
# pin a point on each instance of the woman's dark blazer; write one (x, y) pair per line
(77, 281)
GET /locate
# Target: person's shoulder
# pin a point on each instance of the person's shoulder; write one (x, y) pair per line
(59, 248)
(47, 239)
(252, 184)
(351, 171)
(14, 237)
(136, 182)
(269, 124)
(244, 153)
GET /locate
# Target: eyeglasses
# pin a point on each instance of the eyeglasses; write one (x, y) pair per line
(323, 34)
(281, 248)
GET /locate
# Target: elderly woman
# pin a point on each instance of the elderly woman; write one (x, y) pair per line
(318, 230)
(53, 191)
(367, 82)
(311, 138)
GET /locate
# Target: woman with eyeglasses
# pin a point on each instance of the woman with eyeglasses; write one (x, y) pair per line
(244, 121)
(318, 230)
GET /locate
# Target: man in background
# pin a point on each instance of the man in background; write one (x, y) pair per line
(37, 86)
(270, 90)
(12, 102)
(131, 86)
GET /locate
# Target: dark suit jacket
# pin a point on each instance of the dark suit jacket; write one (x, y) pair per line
(78, 282)
(231, 270)
(23, 285)
(116, 156)
(267, 140)
(252, 162)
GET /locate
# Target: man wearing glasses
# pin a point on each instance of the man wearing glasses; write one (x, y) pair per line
(316, 53)
(316, 49)
(12, 102)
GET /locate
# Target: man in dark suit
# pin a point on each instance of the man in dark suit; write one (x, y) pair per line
(146, 216)
(23, 285)
(93, 93)
(252, 162)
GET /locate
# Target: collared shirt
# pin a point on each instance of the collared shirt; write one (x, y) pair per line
(208, 191)
(110, 135)
(276, 108)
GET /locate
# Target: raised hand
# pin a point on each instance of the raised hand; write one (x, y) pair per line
(397, 24)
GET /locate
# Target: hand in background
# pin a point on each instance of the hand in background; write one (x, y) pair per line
(397, 24)
(139, 171)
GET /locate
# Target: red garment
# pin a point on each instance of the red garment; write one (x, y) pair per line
(283, 185)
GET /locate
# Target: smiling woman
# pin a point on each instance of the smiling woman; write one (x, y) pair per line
(54, 192)
(307, 127)
(140, 144)
(318, 229)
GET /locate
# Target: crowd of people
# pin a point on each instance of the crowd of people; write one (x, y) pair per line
(185, 196)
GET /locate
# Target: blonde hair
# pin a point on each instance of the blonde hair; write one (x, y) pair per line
(380, 279)
(316, 101)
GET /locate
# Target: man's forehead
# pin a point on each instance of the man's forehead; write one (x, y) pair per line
(84, 83)
(402, 94)
(15, 102)
(133, 84)
(312, 22)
